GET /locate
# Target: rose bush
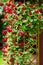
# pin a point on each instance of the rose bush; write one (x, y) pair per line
(2, 24)
(20, 34)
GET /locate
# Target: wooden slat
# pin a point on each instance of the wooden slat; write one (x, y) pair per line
(41, 48)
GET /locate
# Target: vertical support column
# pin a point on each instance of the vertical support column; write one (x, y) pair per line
(38, 50)
(24, 1)
(38, 45)
(41, 48)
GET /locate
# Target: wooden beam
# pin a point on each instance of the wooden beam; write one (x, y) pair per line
(41, 48)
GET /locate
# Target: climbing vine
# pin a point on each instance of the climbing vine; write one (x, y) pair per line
(19, 36)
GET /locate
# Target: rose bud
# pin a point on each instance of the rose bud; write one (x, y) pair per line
(23, 8)
(4, 54)
(6, 45)
(21, 33)
(5, 16)
(20, 53)
(15, 44)
(14, 11)
(31, 5)
(8, 4)
(3, 50)
(32, 36)
(36, 11)
(4, 32)
(9, 10)
(8, 28)
(4, 39)
(39, 17)
(29, 25)
(11, 60)
(5, 8)
(19, 3)
(30, 13)
(22, 44)
(17, 63)
(13, 5)
(16, 18)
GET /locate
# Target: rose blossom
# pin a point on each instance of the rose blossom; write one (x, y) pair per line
(4, 32)
(8, 28)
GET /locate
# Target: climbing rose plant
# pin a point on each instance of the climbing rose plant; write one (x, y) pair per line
(23, 22)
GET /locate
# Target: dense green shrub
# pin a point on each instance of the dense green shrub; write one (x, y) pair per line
(20, 34)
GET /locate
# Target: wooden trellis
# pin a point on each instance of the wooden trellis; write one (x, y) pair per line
(38, 42)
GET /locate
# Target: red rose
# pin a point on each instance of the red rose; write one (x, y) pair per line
(3, 50)
(17, 63)
(36, 11)
(14, 11)
(4, 39)
(39, 17)
(32, 36)
(4, 54)
(9, 10)
(20, 53)
(8, 28)
(22, 44)
(6, 45)
(16, 18)
(11, 60)
(13, 5)
(30, 13)
(29, 25)
(5, 8)
(5, 16)
(15, 44)
(21, 33)
(4, 32)
(8, 4)
(19, 3)
(31, 5)
(23, 8)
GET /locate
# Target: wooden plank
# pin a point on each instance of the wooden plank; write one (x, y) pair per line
(41, 48)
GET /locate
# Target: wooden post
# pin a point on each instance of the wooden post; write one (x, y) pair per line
(24, 1)
(41, 48)
(38, 47)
